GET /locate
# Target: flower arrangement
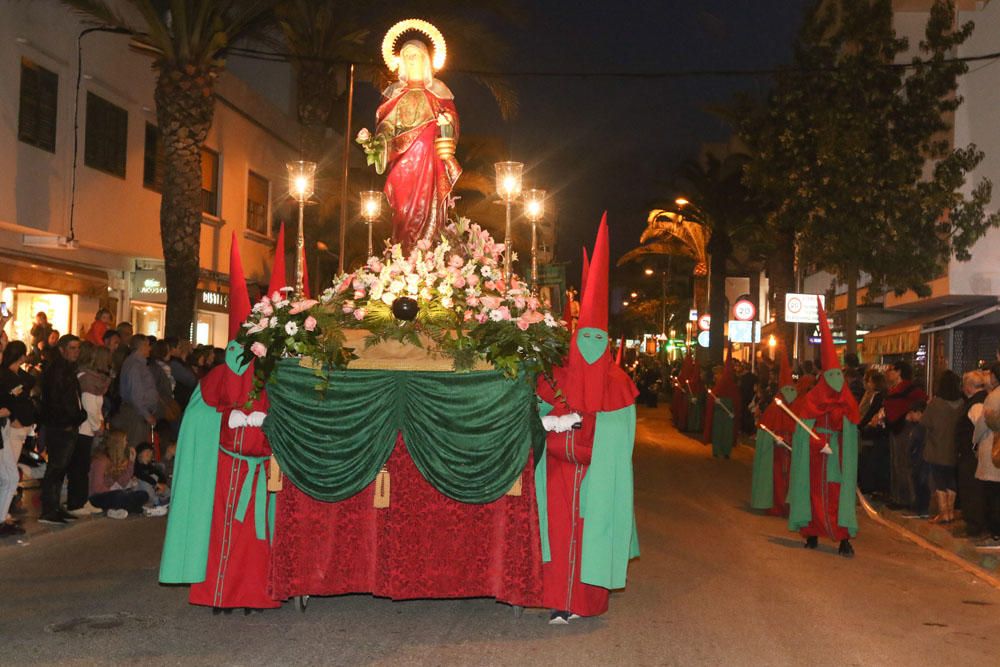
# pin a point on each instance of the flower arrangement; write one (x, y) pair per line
(463, 304)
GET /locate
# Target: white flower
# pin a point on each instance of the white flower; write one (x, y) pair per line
(486, 271)
(496, 315)
(550, 321)
(291, 328)
(388, 298)
(273, 323)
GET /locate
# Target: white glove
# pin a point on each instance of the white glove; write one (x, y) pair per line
(237, 419)
(561, 424)
(550, 423)
(826, 450)
(256, 418)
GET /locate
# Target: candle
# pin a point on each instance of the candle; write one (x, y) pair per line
(722, 405)
(796, 418)
(776, 437)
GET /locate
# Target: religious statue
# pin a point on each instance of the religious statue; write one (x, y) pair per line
(415, 136)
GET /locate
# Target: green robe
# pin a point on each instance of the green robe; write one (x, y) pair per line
(799, 500)
(610, 538)
(185, 549)
(696, 408)
(762, 487)
(722, 427)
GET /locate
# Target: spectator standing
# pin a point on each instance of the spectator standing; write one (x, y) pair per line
(902, 396)
(183, 374)
(62, 414)
(139, 397)
(970, 491)
(987, 428)
(100, 326)
(111, 340)
(853, 375)
(93, 374)
(917, 436)
(940, 421)
(873, 470)
(124, 330)
(40, 331)
(113, 486)
(15, 398)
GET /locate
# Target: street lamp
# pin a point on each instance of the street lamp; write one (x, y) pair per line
(371, 209)
(301, 185)
(534, 210)
(509, 188)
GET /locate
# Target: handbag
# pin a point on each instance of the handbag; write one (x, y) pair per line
(170, 409)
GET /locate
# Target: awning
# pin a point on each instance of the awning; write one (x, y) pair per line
(53, 275)
(904, 336)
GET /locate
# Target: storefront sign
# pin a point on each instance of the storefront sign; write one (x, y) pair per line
(802, 308)
(149, 286)
(211, 300)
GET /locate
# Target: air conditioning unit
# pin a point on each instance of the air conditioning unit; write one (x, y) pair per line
(54, 242)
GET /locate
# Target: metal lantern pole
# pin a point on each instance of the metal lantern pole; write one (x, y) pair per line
(371, 209)
(301, 185)
(534, 210)
(508, 175)
(300, 246)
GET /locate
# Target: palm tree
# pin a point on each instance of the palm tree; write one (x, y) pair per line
(187, 40)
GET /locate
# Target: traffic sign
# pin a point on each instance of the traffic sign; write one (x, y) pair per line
(744, 310)
(802, 308)
(703, 339)
(705, 322)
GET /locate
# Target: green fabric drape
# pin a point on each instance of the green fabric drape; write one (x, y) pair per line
(762, 487)
(468, 433)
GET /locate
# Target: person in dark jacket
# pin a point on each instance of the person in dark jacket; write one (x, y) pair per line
(62, 414)
(970, 498)
(15, 395)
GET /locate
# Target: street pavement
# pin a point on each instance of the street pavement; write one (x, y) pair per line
(716, 585)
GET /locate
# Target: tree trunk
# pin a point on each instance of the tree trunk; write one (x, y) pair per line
(781, 276)
(851, 315)
(184, 108)
(719, 248)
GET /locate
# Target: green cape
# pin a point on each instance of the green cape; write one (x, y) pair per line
(799, 503)
(185, 549)
(762, 487)
(722, 428)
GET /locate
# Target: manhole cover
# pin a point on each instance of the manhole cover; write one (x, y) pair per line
(84, 625)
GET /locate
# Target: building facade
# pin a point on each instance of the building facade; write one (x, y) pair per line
(80, 167)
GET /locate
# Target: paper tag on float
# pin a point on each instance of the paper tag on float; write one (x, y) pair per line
(382, 489)
(515, 490)
(274, 481)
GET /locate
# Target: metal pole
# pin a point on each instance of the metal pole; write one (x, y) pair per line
(534, 258)
(507, 246)
(370, 249)
(347, 160)
(300, 246)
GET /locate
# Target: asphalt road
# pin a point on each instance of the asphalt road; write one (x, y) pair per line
(716, 585)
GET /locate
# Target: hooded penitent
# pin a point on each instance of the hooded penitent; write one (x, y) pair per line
(823, 480)
(219, 546)
(586, 546)
(772, 459)
(722, 411)
(680, 399)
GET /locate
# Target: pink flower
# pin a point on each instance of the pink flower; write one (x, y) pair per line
(456, 262)
(519, 301)
(490, 302)
(259, 349)
(375, 264)
(521, 324)
(359, 294)
(459, 281)
(276, 296)
(467, 316)
(472, 300)
(472, 280)
(359, 314)
(343, 285)
(424, 244)
(358, 283)
(302, 306)
(266, 310)
(363, 136)
(310, 323)
(482, 317)
(532, 317)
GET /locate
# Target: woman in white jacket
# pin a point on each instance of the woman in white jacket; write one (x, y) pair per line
(94, 369)
(986, 417)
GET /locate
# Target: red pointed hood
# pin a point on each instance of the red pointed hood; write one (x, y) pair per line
(278, 275)
(594, 302)
(601, 385)
(726, 386)
(621, 352)
(239, 297)
(584, 273)
(823, 401)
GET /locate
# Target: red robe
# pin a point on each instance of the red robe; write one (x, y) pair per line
(828, 408)
(238, 561)
(781, 423)
(567, 458)
(418, 183)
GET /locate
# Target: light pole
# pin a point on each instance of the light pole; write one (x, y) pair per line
(371, 209)
(509, 188)
(534, 210)
(301, 185)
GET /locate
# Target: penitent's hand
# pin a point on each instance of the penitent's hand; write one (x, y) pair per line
(256, 418)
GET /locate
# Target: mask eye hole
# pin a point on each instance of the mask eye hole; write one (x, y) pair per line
(586, 335)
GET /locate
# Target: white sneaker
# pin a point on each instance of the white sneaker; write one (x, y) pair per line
(117, 514)
(160, 510)
(86, 510)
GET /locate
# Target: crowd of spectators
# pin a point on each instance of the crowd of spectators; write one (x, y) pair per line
(94, 417)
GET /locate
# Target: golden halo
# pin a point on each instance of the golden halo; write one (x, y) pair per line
(389, 42)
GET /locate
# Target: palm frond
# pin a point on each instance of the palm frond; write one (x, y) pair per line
(503, 93)
(99, 12)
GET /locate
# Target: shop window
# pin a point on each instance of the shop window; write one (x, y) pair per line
(152, 161)
(209, 182)
(258, 190)
(106, 137)
(36, 118)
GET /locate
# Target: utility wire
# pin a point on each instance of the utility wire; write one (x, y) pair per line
(280, 56)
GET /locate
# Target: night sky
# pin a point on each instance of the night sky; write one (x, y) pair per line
(611, 143)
